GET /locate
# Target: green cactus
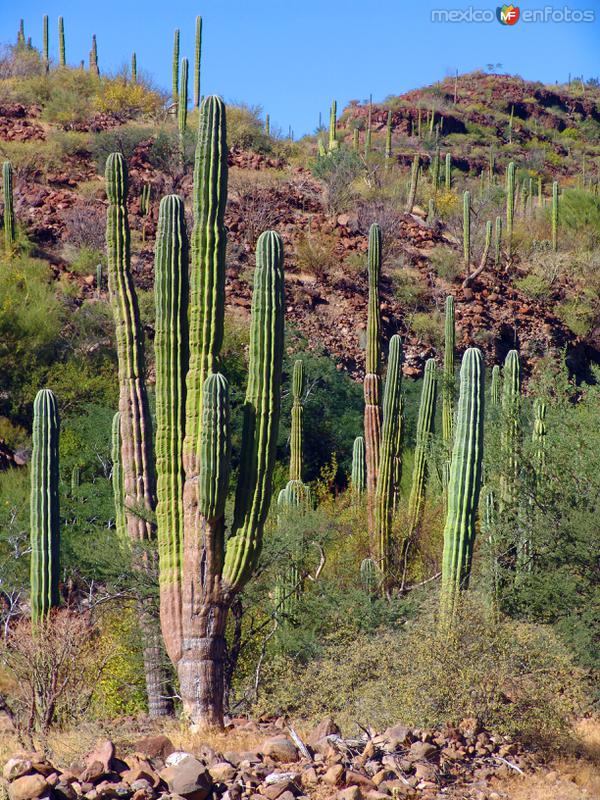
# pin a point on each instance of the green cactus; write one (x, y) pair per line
(133, 67)
(397, 477)
(358, 478)
(175, 68)
(94, 69)
(496, 389)
(414, 181)
(333, 142)
(182, 106)
(384, 495)
(388, 136)
(46, 44)
(297, 429)
(448, 389)
(75, 478)
(197, 62)
(21, 34)
(467, 229)
(355, 139)
(369, 132)
(267, 125)
(425, 427)
(117, 483)
(540, 192)
(555, 216)
(497, 242)
(510, 203)
(448, 172)
(435, 170)
(372, 382)
(44, 508)
(431, 212)
(511, 430)
(369, 576)
(539, 437)
(61, 43)
(9, 214)
(465, 483)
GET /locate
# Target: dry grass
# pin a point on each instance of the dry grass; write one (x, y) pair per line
(572, 777)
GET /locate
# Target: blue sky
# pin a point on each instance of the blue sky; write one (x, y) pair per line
(292, 57)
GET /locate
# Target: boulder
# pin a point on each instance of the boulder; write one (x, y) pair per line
(351, 793)
(27, 787)
(421, 751)
(154, 747)
(280, 748)
(188, 778)
(222, 771)
(16, 767)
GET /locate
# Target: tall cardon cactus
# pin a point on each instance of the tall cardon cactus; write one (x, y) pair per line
(197, 62)
(46, 44)
(175, 68)
(44, 507)
(333, 142)
(448, 389)
(9, 213)
(137, 461)
(372, 382)
(297, 428)
(358, 478)
(182, 107)
(496, 388)
(201, 573)
(414, 182)
(133, 67)
(62, 60)
(510, 203)
(117, 481)
(555, 217)
(511, 430)
(384, 495)
(424, 436)
(464, 485)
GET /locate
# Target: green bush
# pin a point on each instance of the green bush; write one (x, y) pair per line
(123, 139)
(447, 263)
(535, 286)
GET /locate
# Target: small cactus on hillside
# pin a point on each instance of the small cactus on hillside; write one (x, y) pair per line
(9, 214)
(61, 43)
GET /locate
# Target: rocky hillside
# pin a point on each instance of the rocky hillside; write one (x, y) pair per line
(554, 133)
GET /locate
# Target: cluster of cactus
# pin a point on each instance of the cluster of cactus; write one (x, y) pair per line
(44, 513)
(9, 214)
(200, 575)
(464, 483)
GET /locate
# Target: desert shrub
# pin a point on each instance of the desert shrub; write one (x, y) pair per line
(315, 253)
(536, 286)
(67, 106)
(446, 262)
(255, 203)
(83, 260)
(54, 671)
(17, 61)
(580, 313)
(408, 287)
(338, 170)
(85, 225)
(517, 679)
(122, 97)
(245, 129)
(428, 327)
(123, 139)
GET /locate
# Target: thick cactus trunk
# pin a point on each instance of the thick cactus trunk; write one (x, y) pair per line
(372, 384)
(423, 442)
(297, 427)
(45, 518)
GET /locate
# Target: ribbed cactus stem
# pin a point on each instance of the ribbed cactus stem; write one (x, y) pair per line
(171, 292)
(448, 389)
(46, 44)
(465, 483)
(61, 43)
(511, 429)
(44, 508)
(296, 434)
(358, 477)
(215, 444)
(182, 106)
(9, 214)
(435, 170)
(388, 136)
(448, 172)
(369, 132)
(414, 181)
(197, 62)
(467, 229)
(94, 69)
(207, 276)
(333, 142)
(117, 482)
(369, 576)
(497, 242)
(539, 437)
(133, 67)
(425, 423)
(372, 382)
(384, 496)
(261, 413)
(136, 425)
(510, 203)
(175, 67)
(496, 388)
(555, 215)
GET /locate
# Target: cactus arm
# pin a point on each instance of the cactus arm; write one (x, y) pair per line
(175, 67)
(182, 106)
(511, 428)
(117, 482)
(171, 292)
(448, 385)
(197, 62)
(44, 509)
(495, 392)
(425, 425)
(261, 414)
(297, 428)
(358, 479)
(414, 182)
(384, 495)
(9, 213)
(465, 483)
(46, 46)
(510, 203)
(372, 382)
